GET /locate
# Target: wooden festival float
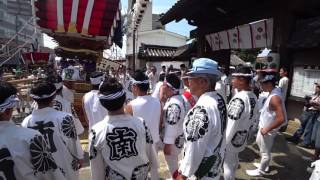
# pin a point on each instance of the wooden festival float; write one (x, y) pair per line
(82, 29)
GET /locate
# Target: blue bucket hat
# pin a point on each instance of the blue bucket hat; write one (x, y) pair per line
(204, 66)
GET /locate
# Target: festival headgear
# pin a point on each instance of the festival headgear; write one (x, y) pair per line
(97, 80)
(204, 66)
(268, 77)
(243, 72)
(139, 82)
(175, 90)
(10, 102)
(112, 96)
(44, 96)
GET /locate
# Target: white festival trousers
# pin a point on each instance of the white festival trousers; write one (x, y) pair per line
(265, 144)
(230, 165)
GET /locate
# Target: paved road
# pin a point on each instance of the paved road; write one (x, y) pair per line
(287, 162)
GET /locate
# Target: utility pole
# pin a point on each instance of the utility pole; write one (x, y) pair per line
(134, 50)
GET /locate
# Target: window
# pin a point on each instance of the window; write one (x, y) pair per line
(304, 78)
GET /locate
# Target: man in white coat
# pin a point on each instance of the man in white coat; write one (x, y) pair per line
(58, 129)
(94, 111)
(60, 103)
(120, 145)
(175, 110)
(204, 125)
(273, 116)
(242, 112)
(24, 153)
(146, 107)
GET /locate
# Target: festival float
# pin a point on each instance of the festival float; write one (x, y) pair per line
(82, 29)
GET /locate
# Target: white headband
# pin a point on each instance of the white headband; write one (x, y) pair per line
(58, 85)
(112, 96)
(10, 102)
(242, 74)
(139, 82)
(268, 78)
(175, 90)
(43, 96)
(97, 80)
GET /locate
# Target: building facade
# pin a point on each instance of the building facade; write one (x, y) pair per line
(150, 32)
(15, 16)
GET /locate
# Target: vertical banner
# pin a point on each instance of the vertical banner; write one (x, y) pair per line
(224, 40)
(259, 34)
(269, 27)
(254, 35)
(234, 38)
(208, 38)
(245, 37)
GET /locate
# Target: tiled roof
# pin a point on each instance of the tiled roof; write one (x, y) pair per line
(154, 51)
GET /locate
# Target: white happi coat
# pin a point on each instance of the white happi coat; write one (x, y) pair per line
(24, 155)
(67, 94)
(71, 73)
(149, 109)
(204, 131)
(61, 135)
(127, 86)
(242, 111)
(175, 110)
(95, 112)
(121, 149)
(61, 104)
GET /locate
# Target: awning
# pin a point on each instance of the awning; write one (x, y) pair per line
(80, 19)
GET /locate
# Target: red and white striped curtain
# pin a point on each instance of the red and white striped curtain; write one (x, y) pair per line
(85, 17)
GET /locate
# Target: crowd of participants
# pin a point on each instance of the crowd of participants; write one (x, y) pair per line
(202, 115)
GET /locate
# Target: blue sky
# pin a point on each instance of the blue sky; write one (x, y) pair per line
(162, 6)
(158, 6)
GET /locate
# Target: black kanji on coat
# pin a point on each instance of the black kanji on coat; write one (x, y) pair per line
(6, 165)
(235, 109)
(197, 123)
(223, 113)
(47, 132)
(122, 143)
(252, 106)
(93, 150)
(173, 114)
(149, 139)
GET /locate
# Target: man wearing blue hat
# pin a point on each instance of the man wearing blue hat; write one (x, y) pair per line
(205, 124)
